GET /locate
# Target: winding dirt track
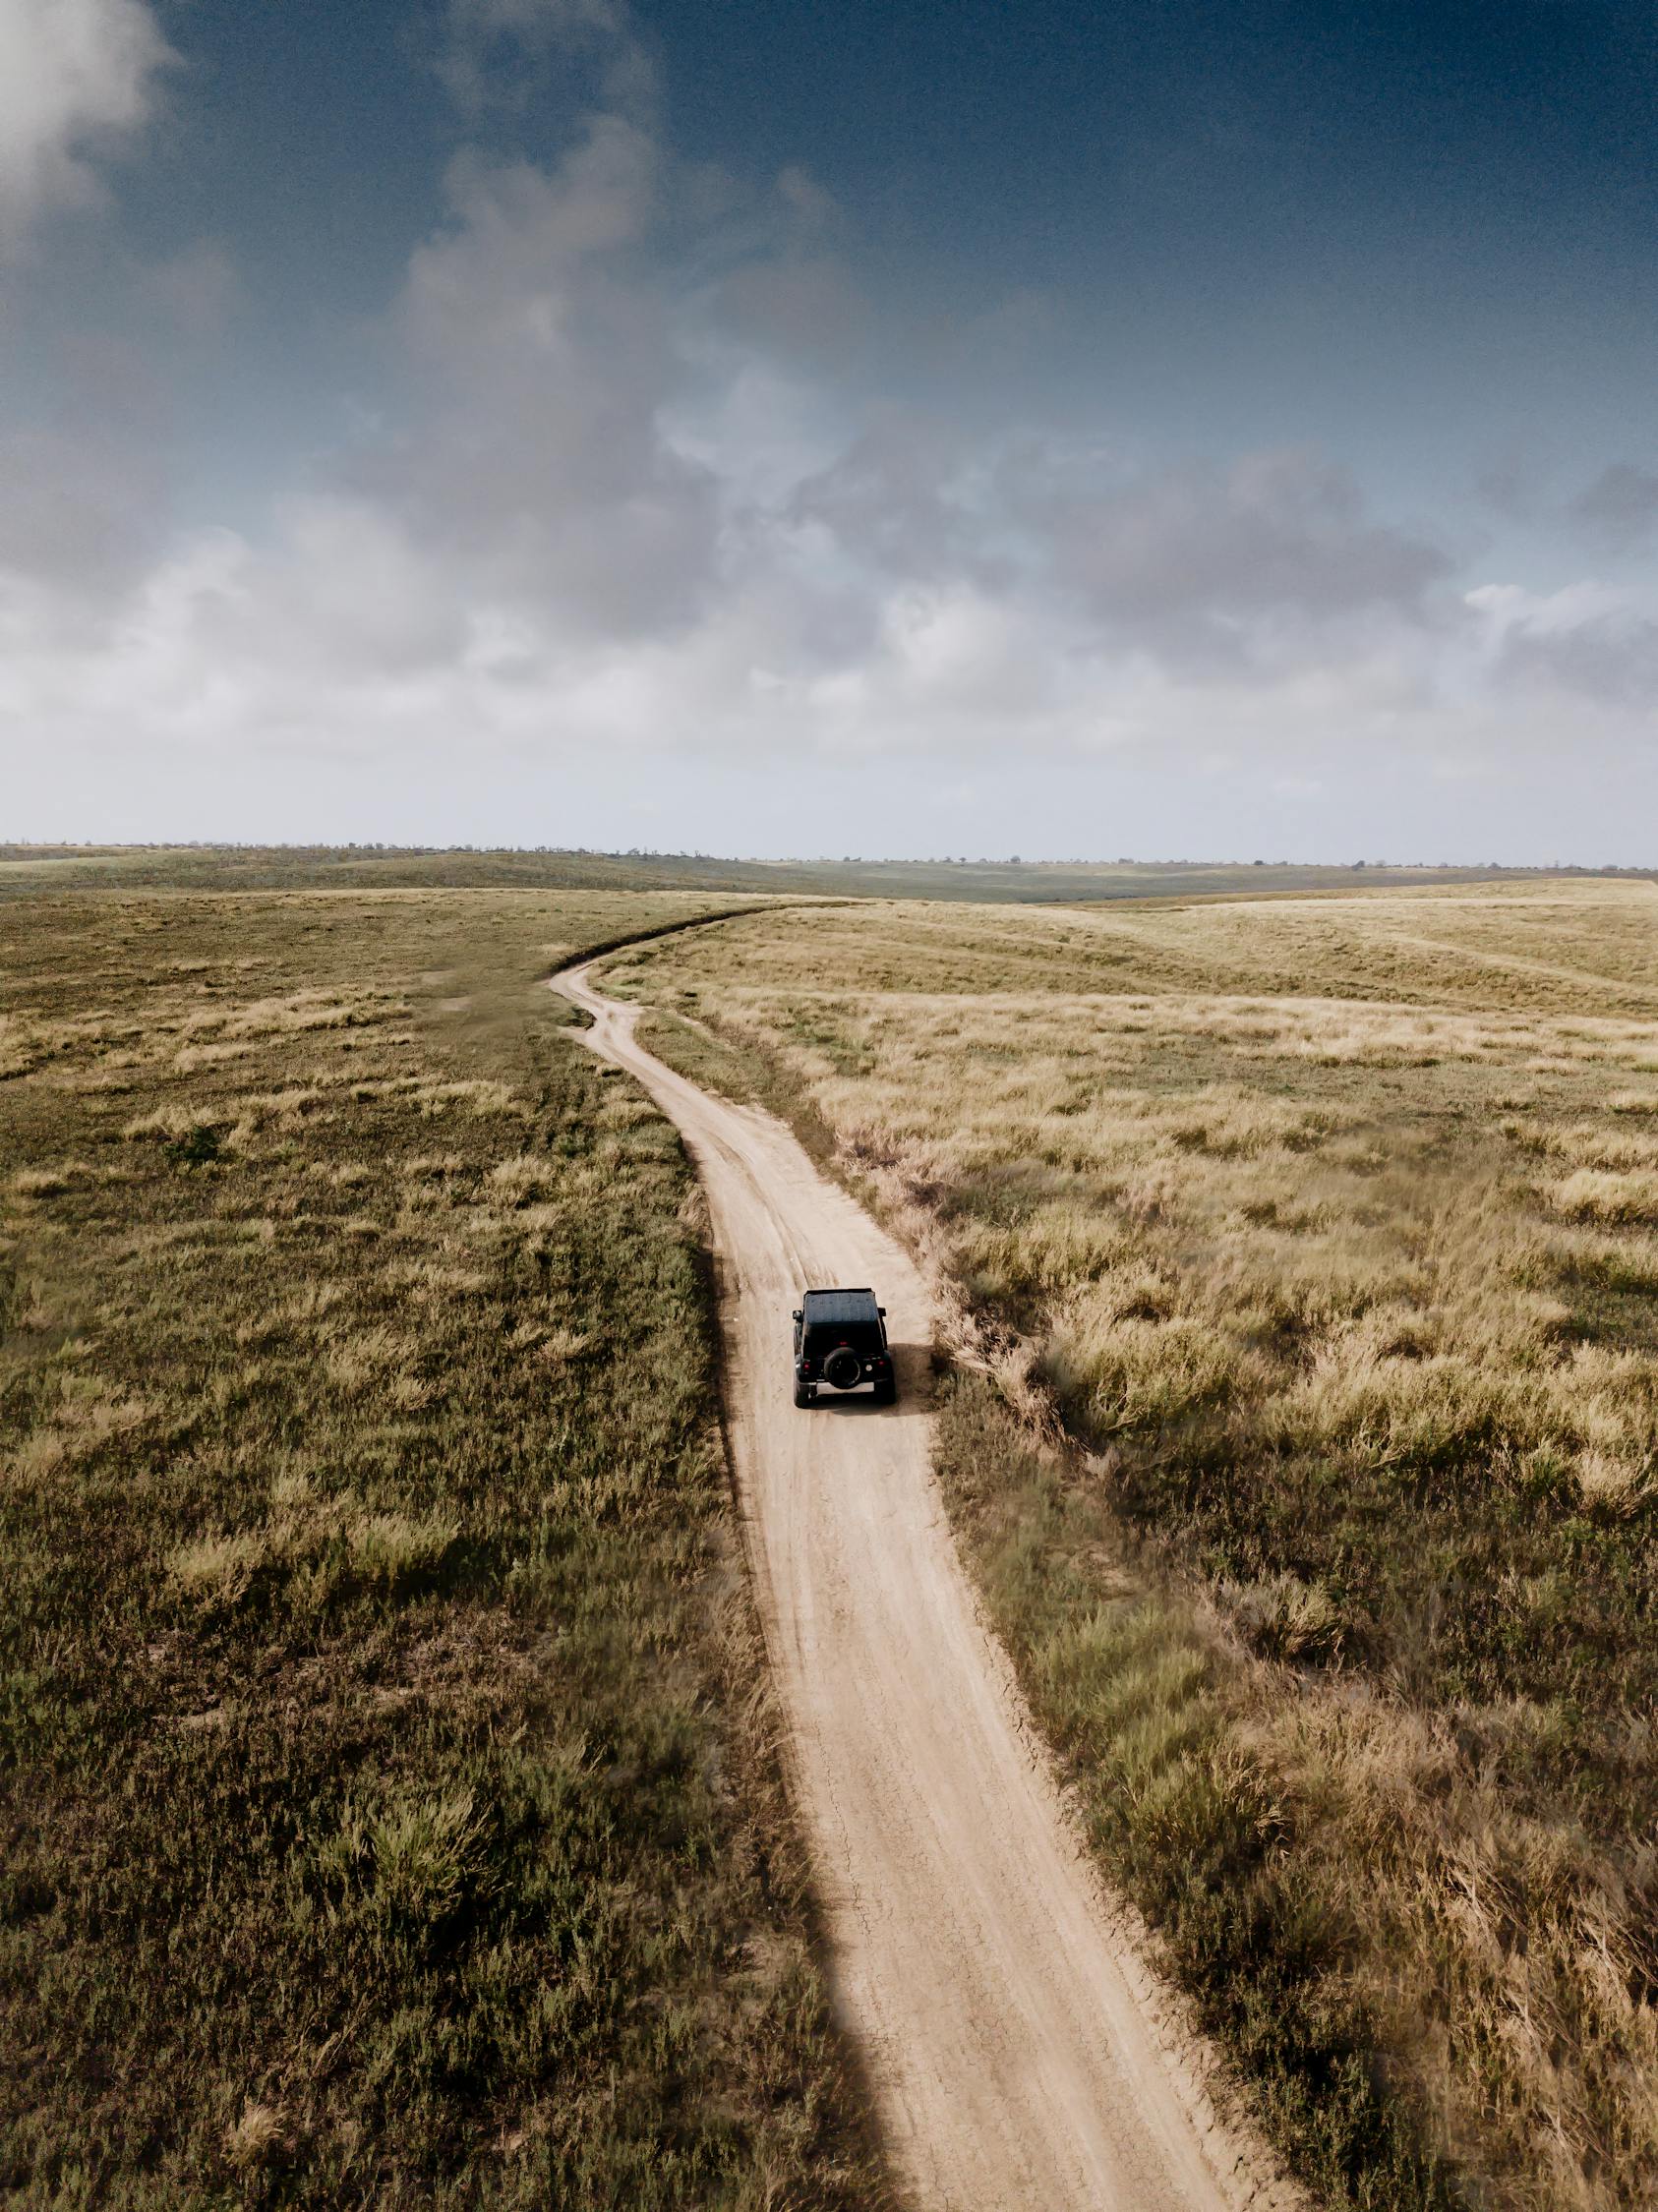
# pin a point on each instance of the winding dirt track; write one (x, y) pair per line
(1000, 2013)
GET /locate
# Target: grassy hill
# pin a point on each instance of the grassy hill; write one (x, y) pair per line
(295, 867)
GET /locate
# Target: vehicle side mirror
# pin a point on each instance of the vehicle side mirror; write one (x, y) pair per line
(796, 1315)
(882, 1311)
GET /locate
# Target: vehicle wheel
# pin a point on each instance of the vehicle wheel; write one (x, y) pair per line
(844, 1368)
(805, 1394)
(886, 1393)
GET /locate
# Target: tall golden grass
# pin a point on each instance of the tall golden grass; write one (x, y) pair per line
(392, 1813)
(1328, 1231)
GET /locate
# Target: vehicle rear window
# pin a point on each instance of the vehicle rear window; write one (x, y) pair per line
(823, 1337)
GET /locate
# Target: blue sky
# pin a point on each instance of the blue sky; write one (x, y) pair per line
(1171, 428)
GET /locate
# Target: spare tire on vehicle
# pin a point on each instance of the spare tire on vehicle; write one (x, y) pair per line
(843, 1368)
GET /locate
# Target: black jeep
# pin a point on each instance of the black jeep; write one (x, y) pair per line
(841, 1341)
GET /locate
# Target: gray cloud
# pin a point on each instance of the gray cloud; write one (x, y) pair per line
(76, 77)
(496, 53)
(1267, 564)
(1509, 482)
(78, 511)
(1196, 557)
(197, 291)
(806, 308)
(1619, 509)
(1610, 659)
(529, 462)
(893, 502)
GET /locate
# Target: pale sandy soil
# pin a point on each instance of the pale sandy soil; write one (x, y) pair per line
(1019, 2052)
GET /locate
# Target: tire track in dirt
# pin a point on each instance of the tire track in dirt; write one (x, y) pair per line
(1007, 2023)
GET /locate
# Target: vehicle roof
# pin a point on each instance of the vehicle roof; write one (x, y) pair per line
(840, 1305)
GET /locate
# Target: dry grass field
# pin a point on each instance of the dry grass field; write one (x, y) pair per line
(385, 867)
(387, 1804)
(1328, 1228)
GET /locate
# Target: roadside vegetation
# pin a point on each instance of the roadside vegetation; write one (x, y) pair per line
(1305, 1437)
(388, 1809)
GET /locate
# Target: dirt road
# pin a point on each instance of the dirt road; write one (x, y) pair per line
(999, 2010)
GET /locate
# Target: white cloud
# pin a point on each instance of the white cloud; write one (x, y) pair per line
(76, 76)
